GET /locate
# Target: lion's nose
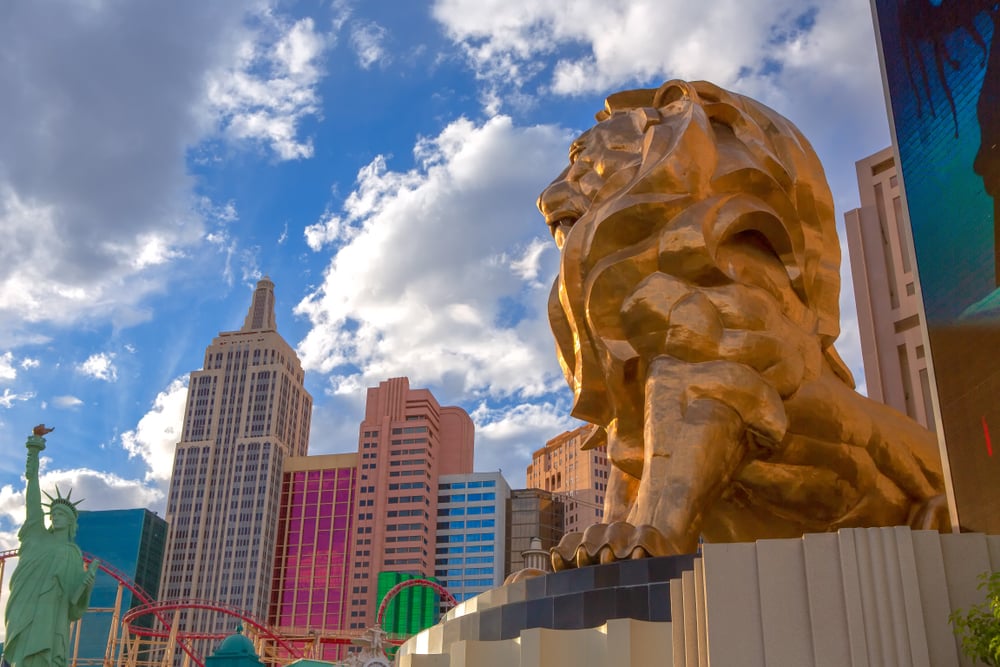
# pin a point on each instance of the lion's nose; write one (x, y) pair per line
(561, 200)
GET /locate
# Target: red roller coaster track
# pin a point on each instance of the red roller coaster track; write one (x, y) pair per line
(157, 608)
(149, 606)
(409, 583)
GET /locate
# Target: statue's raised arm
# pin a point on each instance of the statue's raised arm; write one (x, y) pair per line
(34, 515)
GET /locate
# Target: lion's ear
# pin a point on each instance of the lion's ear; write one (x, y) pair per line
(674, 90)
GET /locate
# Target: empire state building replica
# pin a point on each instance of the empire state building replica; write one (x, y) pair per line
(247, 410)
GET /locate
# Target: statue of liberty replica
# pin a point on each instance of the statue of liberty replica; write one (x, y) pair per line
(50, 587)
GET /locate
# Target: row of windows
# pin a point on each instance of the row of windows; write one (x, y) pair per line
(408, 499)
(404, 452)
(471, 497)
(406, 526)
(468, 537)
(462, 511)
(458, 560)
(463, 572)
(470, 549)
(469, 583)
(482, 484)
(408, 473)
(410, 485)
(473, 523)
(409, 462)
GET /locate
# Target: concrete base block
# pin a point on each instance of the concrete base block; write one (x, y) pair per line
(863, 597)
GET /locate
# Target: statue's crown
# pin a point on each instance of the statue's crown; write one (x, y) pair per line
(63, 500)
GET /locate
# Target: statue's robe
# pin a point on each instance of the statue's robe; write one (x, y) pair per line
(47, 593)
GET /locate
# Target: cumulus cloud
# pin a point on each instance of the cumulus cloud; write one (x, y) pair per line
(616, 42)
(324, 231)
(133, 89)
(98, 490)
(99, 366)
(28, 363)
(7, 370)
(154, 438)
(506, 436)
(272, 86)
(367, 39)
(431, 279)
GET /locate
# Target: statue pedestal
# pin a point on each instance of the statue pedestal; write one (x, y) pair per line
(863, 596)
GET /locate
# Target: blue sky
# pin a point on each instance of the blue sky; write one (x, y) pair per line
(379, 161)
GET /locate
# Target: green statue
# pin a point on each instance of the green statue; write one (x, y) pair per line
(50, 587)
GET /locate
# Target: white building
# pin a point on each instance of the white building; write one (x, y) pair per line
(471, 532)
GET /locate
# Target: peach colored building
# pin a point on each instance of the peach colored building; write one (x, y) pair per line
(890, 314)
(247, 411)
(580, 476)
(405, 443)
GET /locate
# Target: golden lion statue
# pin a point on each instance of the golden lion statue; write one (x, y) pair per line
(695, 313)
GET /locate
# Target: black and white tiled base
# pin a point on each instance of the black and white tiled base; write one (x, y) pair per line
(574, 599)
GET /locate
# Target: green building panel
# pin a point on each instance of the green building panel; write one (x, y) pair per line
(412, 609)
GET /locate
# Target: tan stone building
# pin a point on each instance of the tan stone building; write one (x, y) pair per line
(581, 477)
(247, 411)
(890, 314)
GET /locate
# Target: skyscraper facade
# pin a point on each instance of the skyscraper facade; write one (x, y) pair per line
(890, 313)
(534, 513)
(132, 542)
(312, 563)
(471, 533)
(247, 411)
(406, 442)
(579, 476)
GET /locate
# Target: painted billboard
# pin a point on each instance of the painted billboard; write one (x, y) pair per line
(942, 76)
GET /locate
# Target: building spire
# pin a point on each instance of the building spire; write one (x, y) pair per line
(261, 313)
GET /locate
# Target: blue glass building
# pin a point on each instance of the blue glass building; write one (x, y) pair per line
(132, 542)
(471, 532)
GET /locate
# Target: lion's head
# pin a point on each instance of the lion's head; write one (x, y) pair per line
(699, 183)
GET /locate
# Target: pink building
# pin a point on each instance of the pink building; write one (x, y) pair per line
(405, 443)
(890, 314)
(312, 562)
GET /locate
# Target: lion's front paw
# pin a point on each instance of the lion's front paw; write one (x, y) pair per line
(608, 542)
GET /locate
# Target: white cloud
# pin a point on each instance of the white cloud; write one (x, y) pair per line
(367, 39)
(171, 77)
(530, 262)
(506, 437)
(99, 366)
(98, 490)
(159, 430)
(621, 41)
(28, 363)
(8, 397)
(324, 232)
(7, 370)
(271, 87)
(424, 285)
(67, 402)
